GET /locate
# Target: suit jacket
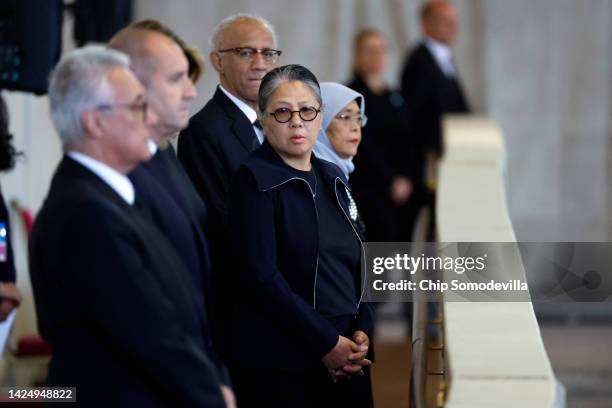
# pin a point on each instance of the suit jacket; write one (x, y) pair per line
(167, 197)
(429, 94)
(114, 301)
(218, 139)
(165, 166)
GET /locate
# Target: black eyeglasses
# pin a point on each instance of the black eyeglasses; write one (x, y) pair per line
(247, 54)
(284, 115)
(141, 107)
(361, 120)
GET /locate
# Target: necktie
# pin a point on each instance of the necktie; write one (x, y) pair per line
(256, 142)
(451, 68)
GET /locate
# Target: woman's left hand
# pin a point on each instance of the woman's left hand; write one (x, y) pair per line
(361, 339)
(357, 359)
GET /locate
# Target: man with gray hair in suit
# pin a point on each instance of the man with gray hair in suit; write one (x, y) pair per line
(110, 292)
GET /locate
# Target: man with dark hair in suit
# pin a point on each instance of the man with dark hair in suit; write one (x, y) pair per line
(112, 294)
(159, 60)
(430, 81)
(221, 136)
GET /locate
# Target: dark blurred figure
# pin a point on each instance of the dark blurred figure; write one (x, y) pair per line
(165, 66)
(10, 297)
(98, 20)
(382, 181)
(430, 82)
(195, 61)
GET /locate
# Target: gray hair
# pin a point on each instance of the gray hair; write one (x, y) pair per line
(79, 82)
(217, 35)
(287, 73)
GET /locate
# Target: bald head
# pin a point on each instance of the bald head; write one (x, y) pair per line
(160, 64)
(239, 73)
(142, 47)
(237, 22)
(439, 21)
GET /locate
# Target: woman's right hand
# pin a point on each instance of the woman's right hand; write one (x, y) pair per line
(338, 357)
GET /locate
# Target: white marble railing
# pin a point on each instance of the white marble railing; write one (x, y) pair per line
(494, 354)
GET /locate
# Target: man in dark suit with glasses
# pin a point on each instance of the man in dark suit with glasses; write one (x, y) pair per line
(221, 136)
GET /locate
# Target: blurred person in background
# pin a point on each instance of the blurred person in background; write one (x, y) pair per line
(10, 297)
(164, 65)
(384, 166)
(340, 135)
(431, 86)
(220, 137)
(195, 62)
(301, 333)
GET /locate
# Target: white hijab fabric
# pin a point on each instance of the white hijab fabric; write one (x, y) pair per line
(335, 98)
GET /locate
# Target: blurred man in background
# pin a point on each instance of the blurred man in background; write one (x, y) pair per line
(431, 88)
(161, 62)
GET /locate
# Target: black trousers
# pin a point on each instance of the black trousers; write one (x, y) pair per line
(312, 388)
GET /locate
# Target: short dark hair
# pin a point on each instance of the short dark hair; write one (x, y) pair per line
(287, 73)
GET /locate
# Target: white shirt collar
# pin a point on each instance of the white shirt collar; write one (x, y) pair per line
(442, 54)
(117, 181)
(248, 112)
(152, 147)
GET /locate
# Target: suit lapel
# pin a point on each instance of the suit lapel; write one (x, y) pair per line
(148, 183)
(163, 168)
(70, 169)
(182, 184)
(241, 127)
(70, 172)
(432, 61)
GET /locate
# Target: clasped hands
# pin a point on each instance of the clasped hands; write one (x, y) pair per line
(347, 358)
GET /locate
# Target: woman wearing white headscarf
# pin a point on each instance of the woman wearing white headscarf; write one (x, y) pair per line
(343, 118)
(340, 135)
